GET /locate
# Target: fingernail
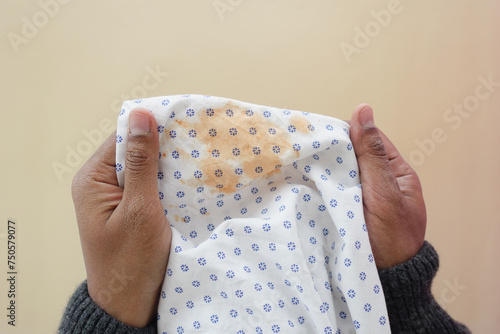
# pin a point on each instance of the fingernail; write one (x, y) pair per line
(366, 117)
(139, 124)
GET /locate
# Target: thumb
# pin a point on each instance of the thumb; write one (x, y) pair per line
(373, 161)
(141, 159)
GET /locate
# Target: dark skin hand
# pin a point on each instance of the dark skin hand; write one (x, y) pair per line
(126, 237)
(392, 195)
(124, 233)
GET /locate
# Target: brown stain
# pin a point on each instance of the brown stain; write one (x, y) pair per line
(301, 123)
(182, 153)
(177, 218)
(274, 172)
(224, 142)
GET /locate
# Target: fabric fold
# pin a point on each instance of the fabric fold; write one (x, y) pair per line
(267, 217)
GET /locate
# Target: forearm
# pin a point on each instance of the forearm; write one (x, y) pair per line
(84, 316)
(410, 304)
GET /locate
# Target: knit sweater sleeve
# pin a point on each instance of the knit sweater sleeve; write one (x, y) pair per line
(410, 304)
(84, 316)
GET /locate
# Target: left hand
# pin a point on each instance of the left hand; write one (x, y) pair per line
(393, 202)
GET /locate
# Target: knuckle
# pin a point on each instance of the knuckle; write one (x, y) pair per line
(376, 147)
(372, 142)
(136, 159)
(76, 184)
(79, 183)
(407, 169)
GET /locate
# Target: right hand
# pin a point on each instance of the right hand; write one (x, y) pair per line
(124, 233)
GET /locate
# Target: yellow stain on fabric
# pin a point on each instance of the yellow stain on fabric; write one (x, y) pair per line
(246, 141)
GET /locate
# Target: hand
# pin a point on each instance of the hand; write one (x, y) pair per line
(124, 233)
(392, 195)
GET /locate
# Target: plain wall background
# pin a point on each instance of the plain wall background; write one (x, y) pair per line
(71, 74)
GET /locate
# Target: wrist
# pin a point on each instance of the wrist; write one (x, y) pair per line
(83, 315)
(128, 305)
(397, 255)
(407, 286)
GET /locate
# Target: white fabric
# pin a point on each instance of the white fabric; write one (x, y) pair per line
(267, 218)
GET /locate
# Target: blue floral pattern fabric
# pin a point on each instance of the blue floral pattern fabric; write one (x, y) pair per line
(267, 216)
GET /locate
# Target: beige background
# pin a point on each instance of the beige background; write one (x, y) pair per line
(70, 74)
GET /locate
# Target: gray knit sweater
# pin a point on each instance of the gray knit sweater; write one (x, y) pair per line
(407, 289)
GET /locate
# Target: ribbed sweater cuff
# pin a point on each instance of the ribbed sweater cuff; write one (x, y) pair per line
(410, 304)
(84, 316)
